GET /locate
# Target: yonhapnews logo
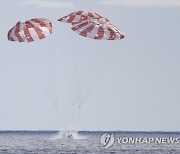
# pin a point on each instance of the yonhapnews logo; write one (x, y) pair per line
(107, 140)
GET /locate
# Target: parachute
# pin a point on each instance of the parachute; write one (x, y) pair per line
(30, 30)
(79, 16)
(87, 64)
(92, 25)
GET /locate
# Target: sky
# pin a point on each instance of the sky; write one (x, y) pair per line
(130, 85)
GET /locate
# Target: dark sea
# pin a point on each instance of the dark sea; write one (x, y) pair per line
(89, 142)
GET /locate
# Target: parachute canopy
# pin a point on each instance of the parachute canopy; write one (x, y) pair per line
(92, 25)
(30, 30)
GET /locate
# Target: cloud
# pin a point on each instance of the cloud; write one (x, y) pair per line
(49, 3)
(148, 3)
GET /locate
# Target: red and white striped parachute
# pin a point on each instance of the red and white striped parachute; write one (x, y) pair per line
(92, 25)
(79, 16)
(30, 30)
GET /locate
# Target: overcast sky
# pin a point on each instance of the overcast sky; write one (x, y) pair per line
(130, 85)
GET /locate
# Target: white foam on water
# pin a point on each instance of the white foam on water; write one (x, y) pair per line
(64, 135)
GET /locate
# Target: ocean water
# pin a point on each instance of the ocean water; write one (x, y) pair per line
(88, 142)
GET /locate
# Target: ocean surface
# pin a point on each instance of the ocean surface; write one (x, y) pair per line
(89, 142)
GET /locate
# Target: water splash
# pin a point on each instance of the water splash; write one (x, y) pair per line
(65, 135)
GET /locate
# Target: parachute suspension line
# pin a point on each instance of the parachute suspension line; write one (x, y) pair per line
(90, 69)
(59, 106)
(69, 87)
(72, 126)
(54, 73)
(75, 117)
(72, 100)
(93, 64)
(76, 100)
(37, 81)
(74, 121)
(78, 115)
(66, 72)
(85, 79)
(61, 121)
(108, 62)
(54, 103)
(76, 76)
